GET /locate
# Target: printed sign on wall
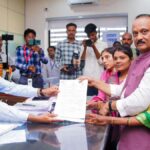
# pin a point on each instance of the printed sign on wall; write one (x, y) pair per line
(111, 37)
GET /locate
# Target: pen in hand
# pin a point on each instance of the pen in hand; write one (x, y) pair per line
(53, 107)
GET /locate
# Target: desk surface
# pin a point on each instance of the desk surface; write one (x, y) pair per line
(57, 136)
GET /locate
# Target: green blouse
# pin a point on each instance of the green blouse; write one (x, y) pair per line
(144, 118)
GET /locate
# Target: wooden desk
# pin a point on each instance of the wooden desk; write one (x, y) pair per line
(11, 99)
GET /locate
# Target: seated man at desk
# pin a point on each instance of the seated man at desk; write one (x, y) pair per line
(11, 114)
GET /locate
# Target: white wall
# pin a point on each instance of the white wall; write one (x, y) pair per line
(35, 14)
(12, 16)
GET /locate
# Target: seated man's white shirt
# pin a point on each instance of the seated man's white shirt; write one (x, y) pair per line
(11, 114)
(138, 101)
(93, 66)
(17, 89)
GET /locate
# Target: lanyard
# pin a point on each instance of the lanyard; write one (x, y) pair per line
(52, 63)
(27, 58)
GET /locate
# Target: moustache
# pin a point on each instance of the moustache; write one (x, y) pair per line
(71, 34)
(140, 42)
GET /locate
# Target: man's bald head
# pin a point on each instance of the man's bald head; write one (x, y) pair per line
(127, 39)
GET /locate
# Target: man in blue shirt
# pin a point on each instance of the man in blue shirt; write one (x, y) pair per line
(29, 59)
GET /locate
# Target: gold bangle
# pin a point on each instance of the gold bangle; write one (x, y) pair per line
(128, 121)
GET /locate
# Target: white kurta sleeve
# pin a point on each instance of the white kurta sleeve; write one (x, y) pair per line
(17, 89)
(116, 90)
(138, 101)
(11, 114)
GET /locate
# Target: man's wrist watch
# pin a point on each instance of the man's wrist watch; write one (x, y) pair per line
(109, 106)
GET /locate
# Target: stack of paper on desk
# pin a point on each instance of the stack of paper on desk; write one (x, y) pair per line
(36, 107)
(33, 105)
(6, 127)
(71, 100)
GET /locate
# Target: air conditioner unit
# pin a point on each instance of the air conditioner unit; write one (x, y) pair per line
(78, 2)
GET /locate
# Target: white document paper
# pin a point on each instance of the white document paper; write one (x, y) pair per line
(6, 127)
(71, 101)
